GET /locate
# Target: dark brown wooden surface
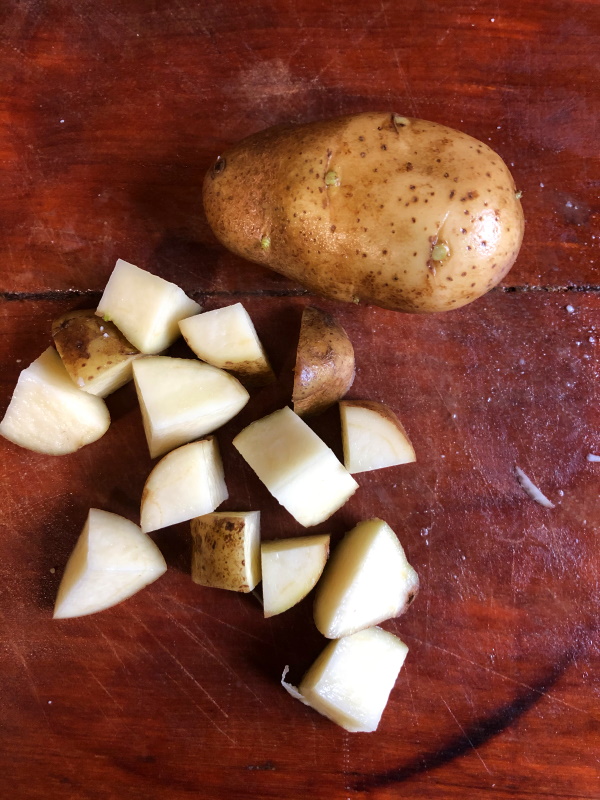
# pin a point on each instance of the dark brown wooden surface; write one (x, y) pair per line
(109, 115)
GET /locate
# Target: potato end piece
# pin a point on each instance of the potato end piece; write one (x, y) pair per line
(373, 437)
(188, 482)
(325, 366)
(290, 570)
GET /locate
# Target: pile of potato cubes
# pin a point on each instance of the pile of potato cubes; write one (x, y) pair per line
(58, 407)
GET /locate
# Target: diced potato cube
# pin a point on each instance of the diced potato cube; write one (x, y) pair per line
(227, 338)
(368, 580)
(296, 466)
(226, 550)
(144, 307)
(49, 414)
(351, 680)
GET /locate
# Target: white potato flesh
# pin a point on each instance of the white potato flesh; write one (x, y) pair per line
(49, 414)
(351, 680)
(110, 379)
(182, 399)
(186, 483)
(226, 338)
(368, 580)
(296, 466)
(373, 437)
(226, 550)
(144, 307)
(111, 561)
(290, 569)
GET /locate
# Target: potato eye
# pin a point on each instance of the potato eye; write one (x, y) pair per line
(218, 166)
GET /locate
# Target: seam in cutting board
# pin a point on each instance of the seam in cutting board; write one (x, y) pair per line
(63, 294)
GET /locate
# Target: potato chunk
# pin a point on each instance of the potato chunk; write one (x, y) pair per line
(351, 680)
(373, 437)
(182, 399)
(290, 569)
(49, 414)
(111, 561)
(226, 550)
(368, 580)
(144, 307)
(296, 466)
(95, 353)
(227, 338)
(186, 483)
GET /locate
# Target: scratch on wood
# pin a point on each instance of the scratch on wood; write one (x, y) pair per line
(197, 610)
(465, 734)
(189, 675)
(30, 677)
(415, 716)
(476, 735)
(210, 652)
(495, 672)
(112, 647)
(104, 689)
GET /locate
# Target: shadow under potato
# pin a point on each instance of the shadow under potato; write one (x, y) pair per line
(175, 543)
(61, 529)
(296, 643)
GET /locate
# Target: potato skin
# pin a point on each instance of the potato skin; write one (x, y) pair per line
(324, 368)
(379, 408)
(89, 347)
(218, 552)
(361, 208)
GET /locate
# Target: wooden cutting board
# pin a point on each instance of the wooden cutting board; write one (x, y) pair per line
(110, 114)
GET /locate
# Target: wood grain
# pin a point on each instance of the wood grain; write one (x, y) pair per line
(110, 114)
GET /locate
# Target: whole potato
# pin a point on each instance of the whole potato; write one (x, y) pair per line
(375, 208)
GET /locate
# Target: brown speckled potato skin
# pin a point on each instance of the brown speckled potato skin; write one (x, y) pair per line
(84, 350)
(218, 552)
(405, 185)
(324, 368)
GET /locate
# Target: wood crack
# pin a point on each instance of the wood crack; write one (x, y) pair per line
(58, 295)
